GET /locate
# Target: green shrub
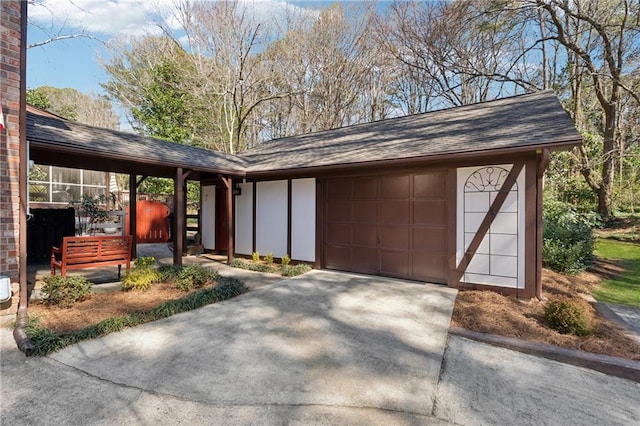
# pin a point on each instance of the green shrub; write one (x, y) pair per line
(140, 279)
(294, 271)
(145, 261)
(569, 316)
(65, 291)
(256, 267)
(194, 276)
(255, 256)
(568, 239)
(169, 272)
(285, 260)
(269, 259)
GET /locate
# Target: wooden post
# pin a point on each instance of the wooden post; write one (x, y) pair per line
(178, 217)
(228, 184)
(133, 213)
(543, 162)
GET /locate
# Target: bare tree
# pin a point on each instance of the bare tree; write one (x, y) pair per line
(603, 37)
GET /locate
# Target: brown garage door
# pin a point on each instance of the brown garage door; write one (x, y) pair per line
(393, 225)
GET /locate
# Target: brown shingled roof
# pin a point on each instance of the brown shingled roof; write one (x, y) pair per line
(520, 123)
(523, 122)
(52, 132)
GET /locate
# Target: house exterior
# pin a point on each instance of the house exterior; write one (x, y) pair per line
(451, 196)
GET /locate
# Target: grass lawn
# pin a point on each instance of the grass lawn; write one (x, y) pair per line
(623, 289)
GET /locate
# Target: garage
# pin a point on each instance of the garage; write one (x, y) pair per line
(393, 225)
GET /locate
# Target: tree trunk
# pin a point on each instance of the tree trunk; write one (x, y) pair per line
(608, 164)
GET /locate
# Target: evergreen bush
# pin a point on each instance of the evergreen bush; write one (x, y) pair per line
(65, 291)
(569, 316)
(568, 239)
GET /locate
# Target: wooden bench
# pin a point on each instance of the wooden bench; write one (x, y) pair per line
(90, 252)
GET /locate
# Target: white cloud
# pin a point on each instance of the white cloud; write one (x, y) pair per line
(134, 17)
(108, 17)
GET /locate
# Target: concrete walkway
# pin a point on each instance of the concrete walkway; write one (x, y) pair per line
(324, 348)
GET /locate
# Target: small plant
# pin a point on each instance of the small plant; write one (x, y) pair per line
(569, 316)
(65, 291)
(285, 260)
(142, 275)
(269, 258)
(294, 271)
(255, 256)
(89, 212)
(169, 272)
(140, 279)
(194, 276)
(145, 261)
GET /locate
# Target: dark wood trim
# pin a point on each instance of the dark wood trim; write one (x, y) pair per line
(133, 213)
(320, 200)
(543, 163)
(231, 250)
(179, 216)
(289, 209)
(488, 220)
(452, 223)
(530, 231)
(254, 217)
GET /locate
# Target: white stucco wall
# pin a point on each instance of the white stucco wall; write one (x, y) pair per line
(303, 219)
(271, 217)
(244, 219)
(499, 260)
(208, 214)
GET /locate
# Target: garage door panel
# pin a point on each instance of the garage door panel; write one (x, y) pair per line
(338, 257)
(340, 211)
(394, 187)
(394, 263)
(430, 185)
(431, 240)
(364, 211)
(339, 189)
(393, 225)
(365, 188)
(396, 212)
(338, 233)
(365, 260)
(430, 212)
(395, 237)
(430, 268)
(364, 235)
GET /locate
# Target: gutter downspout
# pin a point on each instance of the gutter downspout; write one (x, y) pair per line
(19, 331)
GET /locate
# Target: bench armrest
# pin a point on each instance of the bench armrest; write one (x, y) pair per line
(55, 250)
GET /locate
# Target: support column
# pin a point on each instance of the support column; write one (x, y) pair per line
(133, 213)
(228, 185)
(179, 215)
(543, 162)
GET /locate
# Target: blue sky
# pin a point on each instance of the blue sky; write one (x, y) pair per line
(75, 62)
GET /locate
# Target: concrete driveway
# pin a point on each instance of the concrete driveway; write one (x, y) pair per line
(324, 348)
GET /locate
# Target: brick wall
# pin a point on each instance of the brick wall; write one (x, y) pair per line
(10, 17)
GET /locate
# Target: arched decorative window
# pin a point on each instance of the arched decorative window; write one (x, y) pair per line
(498, 260)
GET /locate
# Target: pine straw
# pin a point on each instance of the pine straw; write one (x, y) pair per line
(103, 306)
(489, 312)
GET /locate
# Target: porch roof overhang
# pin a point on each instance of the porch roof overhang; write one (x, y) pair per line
(56, 141)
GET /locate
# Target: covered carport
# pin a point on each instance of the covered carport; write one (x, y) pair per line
(53, 140)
